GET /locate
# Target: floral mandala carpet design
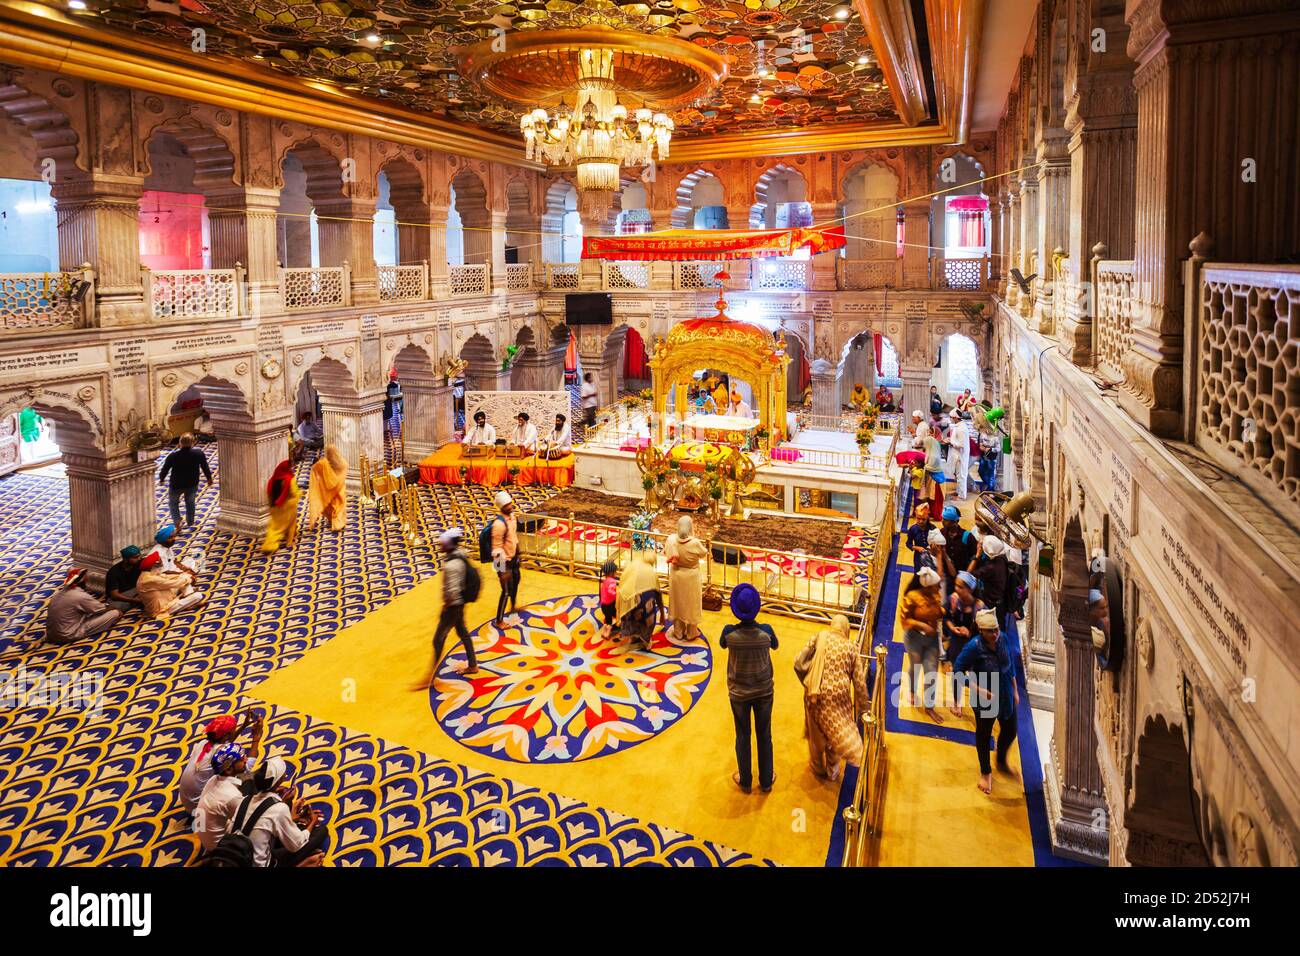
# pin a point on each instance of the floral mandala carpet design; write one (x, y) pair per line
(551, 689)
(82, 786)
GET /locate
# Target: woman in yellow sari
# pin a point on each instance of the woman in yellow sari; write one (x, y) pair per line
(326, 491)
(283, 494)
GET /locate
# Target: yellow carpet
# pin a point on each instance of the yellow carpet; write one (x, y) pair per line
(934, 813)
(680, 779)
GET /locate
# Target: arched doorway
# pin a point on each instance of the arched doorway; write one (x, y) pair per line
(781, 195)
(701, 202)
(1162, 819)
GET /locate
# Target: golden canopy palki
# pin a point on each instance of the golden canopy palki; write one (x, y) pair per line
(741, 349)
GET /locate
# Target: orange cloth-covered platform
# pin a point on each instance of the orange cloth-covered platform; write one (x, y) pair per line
(443, 467)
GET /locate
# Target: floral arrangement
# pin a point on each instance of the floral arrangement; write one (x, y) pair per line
(464, 473)
(647, 395)
(631, 403)
(513, 472)
(640, 521)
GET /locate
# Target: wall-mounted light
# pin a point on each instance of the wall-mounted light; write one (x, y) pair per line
(76, 4)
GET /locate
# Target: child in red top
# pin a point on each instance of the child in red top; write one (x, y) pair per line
(608, 592)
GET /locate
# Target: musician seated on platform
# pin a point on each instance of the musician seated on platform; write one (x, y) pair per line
(560, 442)
(481, 433)
(524, 435)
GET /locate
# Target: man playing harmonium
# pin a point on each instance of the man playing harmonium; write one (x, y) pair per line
(524, 435)
(560, 442)
(481, 433)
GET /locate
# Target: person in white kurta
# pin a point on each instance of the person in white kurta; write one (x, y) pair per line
(959, 455)
(685, 554)
(561, 437)
(481, 433)
(524, 434)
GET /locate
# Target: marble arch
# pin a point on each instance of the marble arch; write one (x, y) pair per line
(685, 191)
(215, 162)
(52, 129)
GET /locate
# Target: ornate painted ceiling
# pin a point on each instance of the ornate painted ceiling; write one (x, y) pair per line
(793, 63)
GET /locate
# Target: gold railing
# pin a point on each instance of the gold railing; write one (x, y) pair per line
(823, 587)
(874, 463)
(863, 815)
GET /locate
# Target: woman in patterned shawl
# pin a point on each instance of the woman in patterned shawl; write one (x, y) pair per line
(835, 698)
(326, 493)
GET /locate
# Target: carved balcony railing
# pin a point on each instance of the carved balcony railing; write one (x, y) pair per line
(409, 283)
(561, 275)
(31, 301)
(869, 273)
(1247, 390)
(1112, 328)
(194, 293)
(316, 288)
(469, 280)
(519, 276)
(625, 275)
(780, 275)
(959, 275)
(697, 275)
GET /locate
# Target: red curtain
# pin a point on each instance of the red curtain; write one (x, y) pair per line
(171, 230)
(877, 341)
(571, 356)
(634, 357)
(972, 228)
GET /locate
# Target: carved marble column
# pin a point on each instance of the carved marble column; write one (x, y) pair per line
(242, 228)
(1029, 261)
(429, 415)
(249, 453)
(822, 278)
(438, 252)
(1053, 227)
(916, 391)
(825, 389)
(996, 242)
(916, 252)
(540, 369)
(1013, 242)
(661, 219)
(1102, 121)
(497, 237)
(594, 209)
(99, 223)
(1075, 798)
(113, 503)
(356, 426)
(346, 230)
(1200, 68)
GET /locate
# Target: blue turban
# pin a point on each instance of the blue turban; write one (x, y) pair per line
(968, 579)
(745, 602)
(951, 514)
(227, 755)
(165, 532)
(130, 551)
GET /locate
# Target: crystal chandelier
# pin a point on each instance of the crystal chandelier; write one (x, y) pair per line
(598, 136)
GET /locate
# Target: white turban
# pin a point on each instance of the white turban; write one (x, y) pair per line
(935, 537)
(986, 620)
(916, 413)
(994, 546)
(1015, 556)
(503, 498)
(684, 527)
(929, 577)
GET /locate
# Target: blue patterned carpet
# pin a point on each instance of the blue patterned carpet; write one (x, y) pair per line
(98, 786)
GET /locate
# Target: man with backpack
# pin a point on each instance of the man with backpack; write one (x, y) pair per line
(221, 794)
(460, 586)
(499, 543)
(265, 831)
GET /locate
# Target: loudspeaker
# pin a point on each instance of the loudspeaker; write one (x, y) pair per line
(728, 554)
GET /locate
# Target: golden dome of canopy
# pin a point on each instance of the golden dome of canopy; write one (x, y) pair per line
(722, 329)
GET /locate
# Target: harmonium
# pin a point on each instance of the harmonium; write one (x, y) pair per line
(513, 451)
(479, 451)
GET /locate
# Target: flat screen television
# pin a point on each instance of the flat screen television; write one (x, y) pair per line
(589, 308)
